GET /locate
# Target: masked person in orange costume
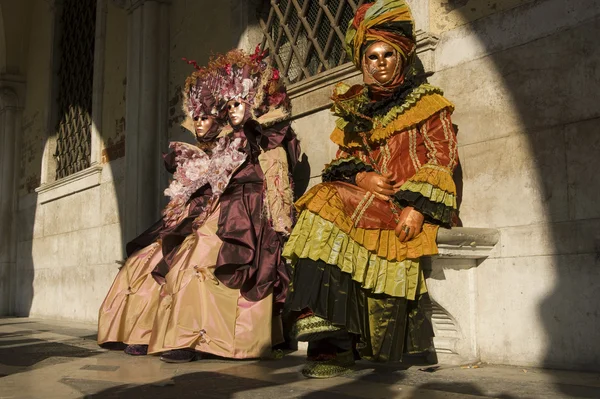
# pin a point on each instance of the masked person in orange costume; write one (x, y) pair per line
(225, 285)
(357, 285)
(128, 311)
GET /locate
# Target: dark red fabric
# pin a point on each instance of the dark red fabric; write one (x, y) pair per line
(250, 258)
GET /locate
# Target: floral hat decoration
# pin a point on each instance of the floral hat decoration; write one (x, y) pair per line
(248, 78)
(200, 99)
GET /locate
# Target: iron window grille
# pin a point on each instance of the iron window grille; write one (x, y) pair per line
(75, 85)
(306, 37)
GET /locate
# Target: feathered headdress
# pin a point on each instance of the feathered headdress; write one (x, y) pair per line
(200, 97)
(246, 77)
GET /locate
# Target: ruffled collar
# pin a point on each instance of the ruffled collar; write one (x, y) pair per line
(382, 119)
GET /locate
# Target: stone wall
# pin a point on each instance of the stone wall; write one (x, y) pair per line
(71, 232)
(523, 78)
(69, 236)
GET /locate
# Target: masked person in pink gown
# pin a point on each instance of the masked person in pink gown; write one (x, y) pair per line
(225, 285)
(128, 311)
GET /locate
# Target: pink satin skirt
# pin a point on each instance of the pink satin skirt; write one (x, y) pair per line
(128, 311)
(196, 311)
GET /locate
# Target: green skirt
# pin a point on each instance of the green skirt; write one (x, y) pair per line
(387, 326)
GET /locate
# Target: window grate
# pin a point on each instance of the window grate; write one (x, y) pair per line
(75, 85)
(306, 37)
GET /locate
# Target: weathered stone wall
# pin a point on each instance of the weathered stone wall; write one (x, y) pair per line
(68, 244)
(67, 247)
(523, 76)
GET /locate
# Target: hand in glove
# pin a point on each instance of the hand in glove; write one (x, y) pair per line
(410, 224)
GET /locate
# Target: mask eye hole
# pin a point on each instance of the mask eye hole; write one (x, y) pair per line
(373, 57)
(236, 104)
(389, 54)
(204, 118)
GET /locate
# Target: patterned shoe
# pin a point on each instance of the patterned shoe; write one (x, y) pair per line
(339, 365)
(179, 356)
(314, 328)
(136, 350)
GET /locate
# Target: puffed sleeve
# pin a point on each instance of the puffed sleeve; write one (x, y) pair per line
(432, 190)
(344, 168)
(279, 152)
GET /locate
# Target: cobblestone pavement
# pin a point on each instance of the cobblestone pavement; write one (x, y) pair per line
(51, 359)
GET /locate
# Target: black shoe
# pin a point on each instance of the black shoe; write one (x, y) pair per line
(179, 356)
(136, 350)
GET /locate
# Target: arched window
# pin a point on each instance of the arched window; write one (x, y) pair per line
(75, 86)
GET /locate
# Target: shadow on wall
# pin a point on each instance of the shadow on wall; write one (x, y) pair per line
(39, 254)
(548, 59)
(38, 257)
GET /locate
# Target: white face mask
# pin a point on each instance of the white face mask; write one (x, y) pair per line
(236, 110)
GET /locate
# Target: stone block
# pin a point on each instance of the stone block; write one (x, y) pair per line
(313, 133)
(452, 288)
(113, 171)
(516, 27)
(63, 250)
(570, 237)
(41, 253)
(72, 293)
(448, 15)
(515, 90)
(111, 246)
(583, 163)
(540, 310)
(515, 180)
(79, 248)
(30, 223)
(111, 197)
(72, 213)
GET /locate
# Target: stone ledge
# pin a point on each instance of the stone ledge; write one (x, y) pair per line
(314, 94)
(466, 242)
(452, 285)
(80, 181)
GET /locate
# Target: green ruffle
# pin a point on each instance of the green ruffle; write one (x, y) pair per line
(349, 110)
(411, 100)
(434, 194)
(318, 239)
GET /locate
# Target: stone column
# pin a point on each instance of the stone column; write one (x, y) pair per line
(427, 41)
(146, 114)
(10, 127)
(245, 29)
